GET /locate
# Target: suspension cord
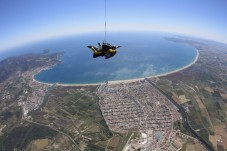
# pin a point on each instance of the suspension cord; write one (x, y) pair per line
(105, 22)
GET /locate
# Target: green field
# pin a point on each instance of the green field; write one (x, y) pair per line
(22, 136)
(75, 111)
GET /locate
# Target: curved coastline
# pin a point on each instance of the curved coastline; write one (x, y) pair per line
(119, 81)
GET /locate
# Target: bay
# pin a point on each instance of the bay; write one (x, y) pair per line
(143, 54)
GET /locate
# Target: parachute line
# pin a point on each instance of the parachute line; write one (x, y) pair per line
(105, 21)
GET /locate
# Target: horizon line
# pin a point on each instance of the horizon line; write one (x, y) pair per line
(49, 37)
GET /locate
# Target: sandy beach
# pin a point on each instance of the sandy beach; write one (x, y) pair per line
(122, 81)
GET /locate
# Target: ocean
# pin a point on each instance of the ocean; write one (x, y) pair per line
(143, 54)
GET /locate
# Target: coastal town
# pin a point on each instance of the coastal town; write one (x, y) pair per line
(38, 92)
(138, 105)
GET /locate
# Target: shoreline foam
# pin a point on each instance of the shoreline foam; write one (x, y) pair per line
(120, 81)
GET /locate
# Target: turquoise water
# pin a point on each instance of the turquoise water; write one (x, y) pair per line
(141, 55)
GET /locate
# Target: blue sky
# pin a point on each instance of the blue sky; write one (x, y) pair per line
(23, 21)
